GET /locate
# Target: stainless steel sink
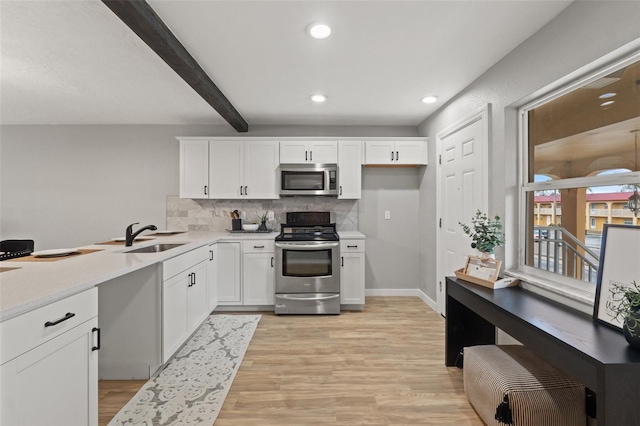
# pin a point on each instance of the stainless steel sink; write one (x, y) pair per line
(156, 248)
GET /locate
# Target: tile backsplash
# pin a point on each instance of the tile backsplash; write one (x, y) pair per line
(213, 215)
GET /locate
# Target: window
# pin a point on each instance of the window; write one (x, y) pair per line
(628, 221)
(581, 154)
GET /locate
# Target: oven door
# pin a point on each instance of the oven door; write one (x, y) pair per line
(308, 267)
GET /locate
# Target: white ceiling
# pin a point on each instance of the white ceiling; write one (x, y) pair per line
(75, 62)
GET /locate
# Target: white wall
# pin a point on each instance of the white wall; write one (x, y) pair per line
(66, 186)
(392, 246)
(582, 33)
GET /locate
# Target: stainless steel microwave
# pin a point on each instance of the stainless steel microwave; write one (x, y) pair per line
(308, 179)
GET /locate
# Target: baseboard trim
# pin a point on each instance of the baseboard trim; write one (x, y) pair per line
(403, 292)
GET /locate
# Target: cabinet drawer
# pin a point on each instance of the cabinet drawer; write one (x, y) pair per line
(351, 246)
(258, 246)
(24, 332)
(172, 267)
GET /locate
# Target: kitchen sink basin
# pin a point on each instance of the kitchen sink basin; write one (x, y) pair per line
(156, 248)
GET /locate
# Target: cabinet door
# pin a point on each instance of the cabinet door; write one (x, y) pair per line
(295, 152)
(261, 159)
(379, 152)
(226, 169)
(411, 152)
(352, 279)
(350, 170)
(229, 291)
(175, 320)
(194, 169)
(212, 277)
(323, 152)
(198, 305)
(258, 278)
(55, 383)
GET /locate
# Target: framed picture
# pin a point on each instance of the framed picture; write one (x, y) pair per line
(486, 269)
(619, 263)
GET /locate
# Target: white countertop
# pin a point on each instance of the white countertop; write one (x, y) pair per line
(36, 284)
(351, 235)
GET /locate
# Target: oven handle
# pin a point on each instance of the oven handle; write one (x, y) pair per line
(305, 246)
(288, 297)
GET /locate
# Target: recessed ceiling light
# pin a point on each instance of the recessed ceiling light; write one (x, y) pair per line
(319, 31)
(429, 99)
(607, 103)
(318, 98)
(607, 95)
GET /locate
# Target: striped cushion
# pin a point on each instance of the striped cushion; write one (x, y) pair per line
(537, 393)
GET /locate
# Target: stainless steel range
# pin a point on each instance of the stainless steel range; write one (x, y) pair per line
(307, 265)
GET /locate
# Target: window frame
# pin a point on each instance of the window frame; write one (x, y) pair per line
(549, 281)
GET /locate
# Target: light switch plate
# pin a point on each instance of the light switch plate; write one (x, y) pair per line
(270, 215)
(387, 214)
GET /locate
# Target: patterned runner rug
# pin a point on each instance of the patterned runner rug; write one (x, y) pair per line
(192, 387)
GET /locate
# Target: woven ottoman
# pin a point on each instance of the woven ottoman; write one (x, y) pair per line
(511, 385)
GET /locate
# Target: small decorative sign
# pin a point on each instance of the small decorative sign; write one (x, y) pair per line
(483, 268)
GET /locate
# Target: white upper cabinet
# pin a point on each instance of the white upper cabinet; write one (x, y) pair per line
(194, 168)
(228, 168)
(396, 152)
(350, 170)
(297, 152)
(261, 160)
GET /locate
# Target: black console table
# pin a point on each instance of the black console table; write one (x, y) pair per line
(595, 355)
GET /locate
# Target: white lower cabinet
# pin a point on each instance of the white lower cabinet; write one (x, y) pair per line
(258, 267)
(49, 364)
(184, 298)
(229, 280)
(212, 277)
(352, 285)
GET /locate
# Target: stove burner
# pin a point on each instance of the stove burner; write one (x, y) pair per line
(308, 226)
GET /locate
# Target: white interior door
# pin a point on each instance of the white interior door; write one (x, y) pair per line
(462, 189)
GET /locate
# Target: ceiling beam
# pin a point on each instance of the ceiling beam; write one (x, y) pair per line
(142, 19)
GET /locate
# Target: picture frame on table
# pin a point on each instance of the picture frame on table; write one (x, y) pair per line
(619, 264)
(483, 268)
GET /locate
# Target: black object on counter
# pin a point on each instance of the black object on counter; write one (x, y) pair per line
(236, 224)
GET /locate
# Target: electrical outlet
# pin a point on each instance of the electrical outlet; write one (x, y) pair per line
(270, 215)
(387, 214)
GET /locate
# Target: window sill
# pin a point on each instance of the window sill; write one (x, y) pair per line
(581, 300)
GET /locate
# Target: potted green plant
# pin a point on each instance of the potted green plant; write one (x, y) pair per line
(624, 305)
(263, 222)
(486, 234)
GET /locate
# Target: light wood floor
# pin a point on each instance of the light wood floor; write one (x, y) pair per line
(382, 366)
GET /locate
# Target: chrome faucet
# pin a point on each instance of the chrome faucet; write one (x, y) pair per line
(130, 235)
